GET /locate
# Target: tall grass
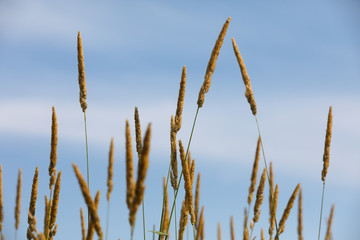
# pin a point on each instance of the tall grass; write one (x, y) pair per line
(135, 188)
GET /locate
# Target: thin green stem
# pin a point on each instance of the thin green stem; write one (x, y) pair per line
(322, 203)
(267, 172)
(87, 160)
(187, 151)
(194, 232)
(107, 220)
(15, 234)
(175, 219)
(143, 212)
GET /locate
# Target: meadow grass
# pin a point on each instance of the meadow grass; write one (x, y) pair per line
(135, 188)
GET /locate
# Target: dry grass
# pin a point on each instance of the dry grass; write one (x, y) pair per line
(135, 189)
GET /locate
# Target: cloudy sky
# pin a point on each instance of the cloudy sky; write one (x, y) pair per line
(301, 57)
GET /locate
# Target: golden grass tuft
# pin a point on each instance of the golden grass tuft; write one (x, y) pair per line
(201, 227)
(142, 169)
(212, 63)
(287, 211)
(219, 231)
(130, 182)
(33, 198)
(326, 156)
(165, 225)
(259, 196)
(214, 55)
(83, 230)
(183, 220)
(91, 228)
(89, 202)
(197, 197)
(180, 101)
(232, 230)
(328, 230)
(249, 93)
(138, 132)
(110, 170)
(173, 157)
(300, 225)
(18, 200)
(254, 172)
(188, 184)
(53, 154)
(54, 205)
(81, 69)
(46, 216)
(273, 211)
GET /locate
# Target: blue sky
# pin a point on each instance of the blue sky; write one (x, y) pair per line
(302, 57)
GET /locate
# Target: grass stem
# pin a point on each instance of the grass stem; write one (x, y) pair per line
(187, 151)
(87, 160)
(267, 172)
(143, 212)
(321, 209)
(107, 220)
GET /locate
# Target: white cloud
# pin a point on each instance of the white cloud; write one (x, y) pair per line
(293, 131)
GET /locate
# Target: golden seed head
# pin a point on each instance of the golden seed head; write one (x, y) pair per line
(328, 230)
(197, 197)
(183, 220)
(55, 201)
(219, 231)
(165, 225)
(130, 182)
(188, 184)
(174, 163)
(200, 227)
(83, 231)
(142, 170)
(110, 169)
(201, 97)
(18, 200)
(249, 93)
(180, 102)
(53, 154)
(138, 133)
(259, 196)
(287, 210)
(89, 202)
(214, 55)
(232, 230)
(254, 171)
(81, 69)
(273, 211)
(32, 204)
(300, 216)
(326, 156)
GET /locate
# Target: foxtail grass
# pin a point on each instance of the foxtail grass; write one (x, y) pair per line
(18, 203)
(109, 184)
(32, 205)
(326, 161)
(204, 89)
